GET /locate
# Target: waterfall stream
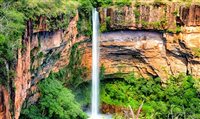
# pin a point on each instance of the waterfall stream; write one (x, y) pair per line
(95, 65)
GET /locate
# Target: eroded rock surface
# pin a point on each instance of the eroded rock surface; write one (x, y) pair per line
(151, 16)
(172, 49)
(44, 51)
(147, 53)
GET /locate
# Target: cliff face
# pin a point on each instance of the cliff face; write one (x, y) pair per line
(151, 16)
(147, 53)
(44, 52)
(4, 103)
(159, 53)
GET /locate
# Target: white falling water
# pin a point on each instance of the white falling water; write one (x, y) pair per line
(95, 65)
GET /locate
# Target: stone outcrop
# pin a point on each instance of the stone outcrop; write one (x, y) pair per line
(172, 48)
(143, 52)
(49, 53)
(4, 103)
(44, 51)
(22, 81)
(151, 16)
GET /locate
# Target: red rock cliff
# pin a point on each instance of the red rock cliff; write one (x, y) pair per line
(171, 49)
(44, 51)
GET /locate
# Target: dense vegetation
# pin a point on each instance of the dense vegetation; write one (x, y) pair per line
(178, 98)
(11, 28)
(54, 15)
(56, 99)
(56, 102)
(13, 18)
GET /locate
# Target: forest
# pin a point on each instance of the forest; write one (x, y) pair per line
(46, 59)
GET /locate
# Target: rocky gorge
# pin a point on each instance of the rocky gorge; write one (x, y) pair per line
(152, 40)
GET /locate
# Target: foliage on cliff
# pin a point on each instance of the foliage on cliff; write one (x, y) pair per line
(18, 20)
(43, 15)
(107, 3)
(55, 14)
(74, 73)
(55, 102)
(64, 106)
(73, 76)
(13, 18)
(11, 28)
(178, 98)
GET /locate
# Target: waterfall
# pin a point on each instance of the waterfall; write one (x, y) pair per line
(95, 65)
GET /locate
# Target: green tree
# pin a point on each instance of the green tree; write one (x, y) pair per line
(179, 98)
(56, 102)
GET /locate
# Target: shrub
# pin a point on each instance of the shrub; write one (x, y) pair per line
(83, 94)
(105, 3)
(137, 4)
(137, 15)
(84, 26)
(158, 3)
(122, 2)
(175, 13)
(178, 29)
(85, 12)
(104, 27)
(179, 98)
(55, 102)
(197, 85)
(75, 72)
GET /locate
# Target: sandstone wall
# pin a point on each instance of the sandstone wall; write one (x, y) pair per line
(172, 48)
(151, 16)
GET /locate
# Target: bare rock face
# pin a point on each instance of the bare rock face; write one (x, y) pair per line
(4, 103)
(173, 47)
(128, 51)
(23, 78)
(190, 15)
(147, 53)
(150, 16)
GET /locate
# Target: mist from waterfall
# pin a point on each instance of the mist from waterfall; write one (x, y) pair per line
(95, 65)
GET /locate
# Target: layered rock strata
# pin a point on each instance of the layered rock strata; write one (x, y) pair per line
(173, 47)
